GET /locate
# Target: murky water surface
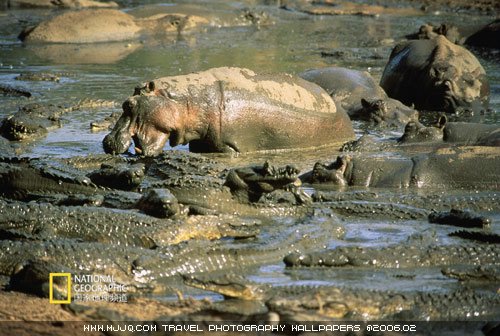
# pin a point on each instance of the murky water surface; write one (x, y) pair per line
(293, 43)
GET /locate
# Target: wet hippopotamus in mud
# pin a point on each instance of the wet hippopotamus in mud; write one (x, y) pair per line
(445, 168)
(436, 75)
(488, 37)
(429, 31)
(228, 109)
(105, 25)
(361, 97)
(456, 132)
(57, 4)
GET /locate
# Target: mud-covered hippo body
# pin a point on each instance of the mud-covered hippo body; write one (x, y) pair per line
(226, 109)
(90, 25)
(106, 25)
(435, 75)
(488, 36)
(56, 4)
(463, 167)
(360, 95)
(464, 133)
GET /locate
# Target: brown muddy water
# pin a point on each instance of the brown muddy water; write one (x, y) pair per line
(285, 41)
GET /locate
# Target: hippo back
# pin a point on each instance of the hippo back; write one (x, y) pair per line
(345, 86)
(282, 89)
(471, 133)
(252, 112)
(85, 26)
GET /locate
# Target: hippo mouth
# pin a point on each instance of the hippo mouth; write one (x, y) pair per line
(153, 146)
(138, 145)
(443, 98)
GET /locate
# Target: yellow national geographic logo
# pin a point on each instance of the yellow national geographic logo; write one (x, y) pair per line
(51, 287)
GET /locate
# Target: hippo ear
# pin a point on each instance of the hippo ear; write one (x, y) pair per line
(442, 120)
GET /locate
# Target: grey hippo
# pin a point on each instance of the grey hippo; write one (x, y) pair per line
(456, 132)
(488, 37)
(360, 95)
(228, 109)
(436, 75)
(441, 168)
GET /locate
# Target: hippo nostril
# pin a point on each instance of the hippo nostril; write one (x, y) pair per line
(129, 105)
(151, 86)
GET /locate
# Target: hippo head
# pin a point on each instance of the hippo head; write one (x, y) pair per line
(455, 89)
(416, 132)
(149, 121)
(386, 111)
(456, 78)
(375, 110)
(436, 75)
(333, 173)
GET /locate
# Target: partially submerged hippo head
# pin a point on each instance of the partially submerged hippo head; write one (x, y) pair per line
(475, 134)
(385, 111)
(333, 173)
(375, 110)
(144, 120)
(416, 132)
(436, 75)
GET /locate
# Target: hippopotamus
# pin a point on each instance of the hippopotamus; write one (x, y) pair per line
(228, 109)
(443, 168)
(457, 132)
(488, 36)
(329, 7)
(90, 25)
(105, 25)
(360, 95)
(428, 31)
(56, 4)
(436, 75)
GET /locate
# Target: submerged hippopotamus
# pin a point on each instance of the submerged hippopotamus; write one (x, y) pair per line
(56, 4)
(106, 25)
(428, 31)
(361, 97)
(456, 132)
(442, 168)
(488, 36)
(435, 75)
(228, 109)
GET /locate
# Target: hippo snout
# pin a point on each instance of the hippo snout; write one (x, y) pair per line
(116, 143)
